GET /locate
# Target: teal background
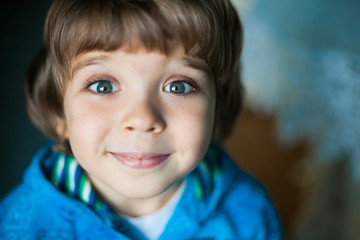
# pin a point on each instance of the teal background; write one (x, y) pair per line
(21, 35)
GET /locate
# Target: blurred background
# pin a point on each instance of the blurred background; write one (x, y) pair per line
(21, 35)
(298, 132)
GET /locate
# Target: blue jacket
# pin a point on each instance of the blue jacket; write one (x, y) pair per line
(220, 202)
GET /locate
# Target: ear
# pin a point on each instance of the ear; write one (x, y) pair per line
(61, 127)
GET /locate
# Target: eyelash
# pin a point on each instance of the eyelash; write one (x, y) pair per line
(191, 84)
(91, 83)
(194, 87)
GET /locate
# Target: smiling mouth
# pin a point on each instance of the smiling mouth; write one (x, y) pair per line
(140, 160)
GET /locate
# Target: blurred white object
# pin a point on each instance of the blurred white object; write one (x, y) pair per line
(302, 61)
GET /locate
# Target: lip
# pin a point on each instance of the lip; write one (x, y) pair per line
(140, 160)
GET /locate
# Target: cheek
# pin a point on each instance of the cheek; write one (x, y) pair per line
(86, 127)
(193, 126)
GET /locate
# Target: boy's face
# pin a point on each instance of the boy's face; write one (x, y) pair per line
(138, 122)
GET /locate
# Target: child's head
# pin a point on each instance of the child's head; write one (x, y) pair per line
(208, 30)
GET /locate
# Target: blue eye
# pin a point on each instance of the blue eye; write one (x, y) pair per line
(103, 87)
(178, 87)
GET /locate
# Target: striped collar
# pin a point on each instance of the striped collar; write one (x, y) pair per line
(64, 172)
(206, 175)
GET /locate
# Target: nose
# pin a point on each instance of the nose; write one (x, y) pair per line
(143, 116)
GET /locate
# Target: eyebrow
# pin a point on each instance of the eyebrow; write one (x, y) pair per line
(197, 64)
(87, 61)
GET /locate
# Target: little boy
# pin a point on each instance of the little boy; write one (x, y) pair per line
(136, 97)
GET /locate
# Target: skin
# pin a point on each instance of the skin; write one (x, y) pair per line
(138, 123)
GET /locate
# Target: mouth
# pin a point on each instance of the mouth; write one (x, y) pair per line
(140, 160)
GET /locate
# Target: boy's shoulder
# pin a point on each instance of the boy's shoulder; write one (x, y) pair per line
(246, 192)
(226, 178)
(245, 201)
(35, 209)
(227, 202)
(30, 213)
(237, 182)
(241, 185)
(32, 205)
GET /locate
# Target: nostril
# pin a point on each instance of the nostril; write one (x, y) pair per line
(130, 128)
(151, 129)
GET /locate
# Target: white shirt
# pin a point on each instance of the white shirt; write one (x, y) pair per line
(152, 225)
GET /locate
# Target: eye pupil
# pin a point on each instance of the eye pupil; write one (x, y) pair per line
(104, 87)
(177, 87)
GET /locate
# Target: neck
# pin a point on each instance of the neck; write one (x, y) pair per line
(134, 206)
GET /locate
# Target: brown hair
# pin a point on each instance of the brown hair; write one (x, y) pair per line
(207, 29)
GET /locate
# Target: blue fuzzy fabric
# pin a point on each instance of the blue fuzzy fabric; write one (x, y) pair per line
(230, 205)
